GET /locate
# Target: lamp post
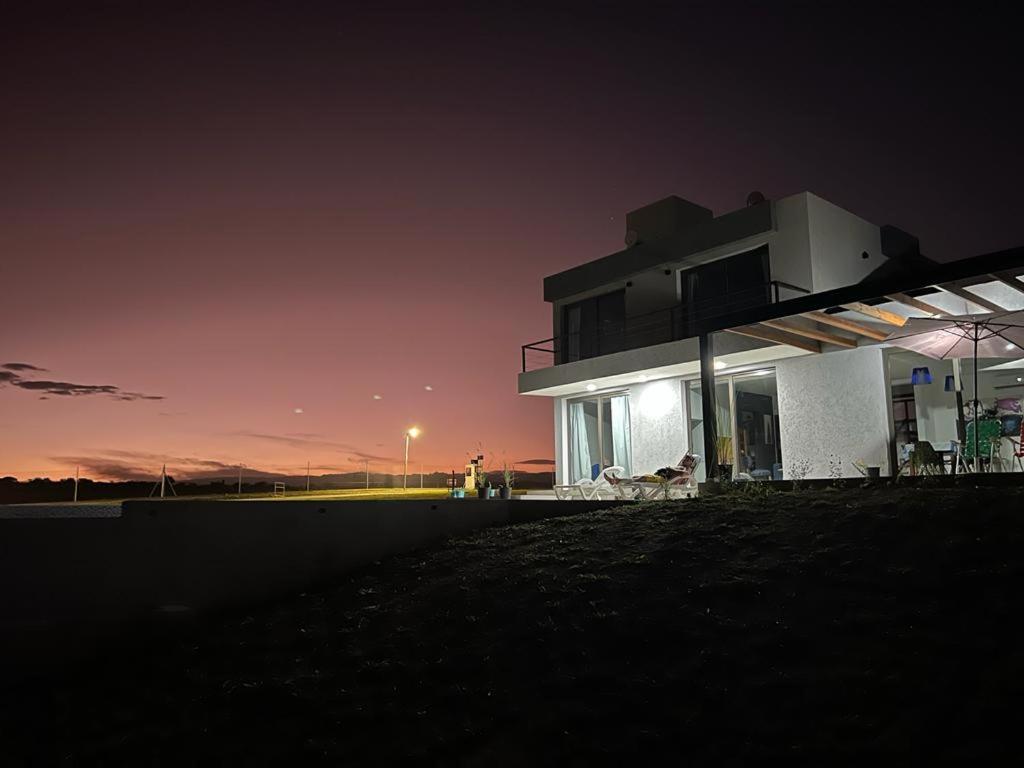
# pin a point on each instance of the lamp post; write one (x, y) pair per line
(409, 433)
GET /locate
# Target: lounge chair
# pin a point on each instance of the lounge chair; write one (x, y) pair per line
(602, 487)
(678, 482)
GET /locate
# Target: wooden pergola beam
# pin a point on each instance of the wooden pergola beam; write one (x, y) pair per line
(776, 337)
(974, 298)
(1009, 281)
(810, 333)
(846, 325)
(910, 301)
(882, 315)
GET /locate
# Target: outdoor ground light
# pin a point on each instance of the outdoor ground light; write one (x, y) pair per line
(950, 383)
(921, 376)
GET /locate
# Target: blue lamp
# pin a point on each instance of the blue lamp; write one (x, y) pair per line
(950, 383)
(921, 376)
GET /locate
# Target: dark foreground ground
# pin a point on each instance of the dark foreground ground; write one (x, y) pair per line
(839, 626)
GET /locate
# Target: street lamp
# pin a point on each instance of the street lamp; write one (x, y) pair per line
(409, 433)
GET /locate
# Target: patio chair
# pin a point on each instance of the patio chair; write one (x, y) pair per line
(678, 482)
(585, 489)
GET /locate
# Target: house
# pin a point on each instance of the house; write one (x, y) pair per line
(756, 337)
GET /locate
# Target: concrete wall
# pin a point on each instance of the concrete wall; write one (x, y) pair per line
(935, 407)
(839, 241)
(81, 578)
(837, 404)
(790, 246)
(657, 424)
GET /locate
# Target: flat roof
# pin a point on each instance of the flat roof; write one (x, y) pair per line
(722, 230)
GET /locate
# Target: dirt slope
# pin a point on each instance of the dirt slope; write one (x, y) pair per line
(835, 625)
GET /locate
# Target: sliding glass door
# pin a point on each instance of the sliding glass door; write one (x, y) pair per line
(599, 436)
(747, 424)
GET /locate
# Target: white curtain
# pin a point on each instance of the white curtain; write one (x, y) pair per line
(621, 452)
(579, 445)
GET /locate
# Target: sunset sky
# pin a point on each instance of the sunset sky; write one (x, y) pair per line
(266, 213)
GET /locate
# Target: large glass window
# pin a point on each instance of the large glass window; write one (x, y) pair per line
(599, 436)
(594, 326)
(747, 424)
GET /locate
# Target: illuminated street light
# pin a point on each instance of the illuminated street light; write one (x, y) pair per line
(409, 433)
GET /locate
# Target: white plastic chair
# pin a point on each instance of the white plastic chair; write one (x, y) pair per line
(591, 490)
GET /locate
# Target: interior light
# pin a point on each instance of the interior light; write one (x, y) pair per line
(1010, 346)
(591, 387)
(1018, 379)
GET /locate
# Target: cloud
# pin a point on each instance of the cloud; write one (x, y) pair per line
(139, 465)
(64, 388)
(314, 440)
(297, 440)
(543, 462)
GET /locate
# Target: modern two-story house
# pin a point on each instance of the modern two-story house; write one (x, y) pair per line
(755, 339)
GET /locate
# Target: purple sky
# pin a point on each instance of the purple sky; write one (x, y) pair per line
(277, 206)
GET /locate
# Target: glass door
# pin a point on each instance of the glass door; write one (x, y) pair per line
(723, 423)
(747, 425)
(599, 436)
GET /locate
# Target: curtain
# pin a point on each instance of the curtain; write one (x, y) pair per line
(621, 452)
(579, 445)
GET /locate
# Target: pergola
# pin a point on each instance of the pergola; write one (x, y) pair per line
(865, 313)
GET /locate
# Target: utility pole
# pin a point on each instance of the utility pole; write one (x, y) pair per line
(307, 475)
(239, 479)
(366, 463)
(163, 480)
(76, 484)
(421, 477)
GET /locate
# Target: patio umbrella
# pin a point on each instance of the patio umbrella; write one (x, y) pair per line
(1000, 334)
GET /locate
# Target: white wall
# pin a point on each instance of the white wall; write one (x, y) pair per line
(936, 408)
(834, 403)
(790, 245)
(838, 241)
(657, 424)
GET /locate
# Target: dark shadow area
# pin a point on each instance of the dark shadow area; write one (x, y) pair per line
(833, 625)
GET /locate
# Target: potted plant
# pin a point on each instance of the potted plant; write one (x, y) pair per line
(724, 450)
(483, 485)
(508, 476)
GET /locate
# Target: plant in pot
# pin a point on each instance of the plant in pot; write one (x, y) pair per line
(508, 477)
(483, 485)
(724, 450)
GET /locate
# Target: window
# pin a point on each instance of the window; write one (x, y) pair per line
(747, 424)
(599, 436)
(594, 326)
(732, 283)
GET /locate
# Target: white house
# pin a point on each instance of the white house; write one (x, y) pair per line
(783, 305)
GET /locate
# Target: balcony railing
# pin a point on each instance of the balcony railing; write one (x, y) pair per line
(659, 327)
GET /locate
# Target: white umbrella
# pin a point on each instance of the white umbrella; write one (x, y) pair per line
(998, 335)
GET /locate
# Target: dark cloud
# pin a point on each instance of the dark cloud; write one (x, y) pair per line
(298, 440)
(314, 440)
(544, 462)
(360, 456)
(138, 465)
(65, 388)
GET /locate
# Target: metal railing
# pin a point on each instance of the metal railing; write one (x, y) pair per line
(659, 327)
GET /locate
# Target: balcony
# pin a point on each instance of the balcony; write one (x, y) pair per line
(659, 327)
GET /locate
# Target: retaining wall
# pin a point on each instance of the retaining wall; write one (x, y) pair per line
(84, 577)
